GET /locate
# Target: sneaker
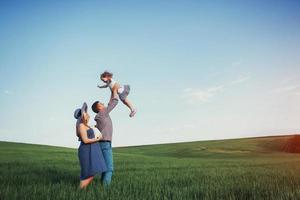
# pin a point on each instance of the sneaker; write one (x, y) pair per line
(133, 112)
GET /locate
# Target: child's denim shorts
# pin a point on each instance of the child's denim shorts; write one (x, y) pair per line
(125, 92)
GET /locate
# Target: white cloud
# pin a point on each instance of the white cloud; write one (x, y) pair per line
(52, 118)
(192, 95)
(187, 89)
(201, 95)
(241, 79)
(288, 88)
(216, 88)
(236, 63)
(287, 80)
(8, 92)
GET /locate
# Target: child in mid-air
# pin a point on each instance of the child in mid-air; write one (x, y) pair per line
(122, 90)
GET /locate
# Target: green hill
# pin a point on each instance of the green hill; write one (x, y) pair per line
(250, 168)
(232, 147)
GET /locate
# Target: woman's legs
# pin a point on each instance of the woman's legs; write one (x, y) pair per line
(84, 183)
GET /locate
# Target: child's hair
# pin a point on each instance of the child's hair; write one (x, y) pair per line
(106, 74)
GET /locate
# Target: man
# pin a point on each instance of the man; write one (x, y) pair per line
(104, 124)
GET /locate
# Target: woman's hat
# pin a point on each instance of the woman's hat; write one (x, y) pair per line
(79, 111)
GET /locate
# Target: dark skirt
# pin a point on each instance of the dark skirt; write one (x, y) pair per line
(91, 159)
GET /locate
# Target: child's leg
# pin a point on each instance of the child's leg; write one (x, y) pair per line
(128, 104)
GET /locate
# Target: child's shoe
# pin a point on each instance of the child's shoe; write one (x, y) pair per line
(133, 112)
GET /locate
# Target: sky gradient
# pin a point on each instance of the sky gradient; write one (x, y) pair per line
(198, 70)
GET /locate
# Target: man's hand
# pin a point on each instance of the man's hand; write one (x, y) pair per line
(98, 136)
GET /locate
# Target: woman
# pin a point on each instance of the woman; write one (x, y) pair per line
(89, 152)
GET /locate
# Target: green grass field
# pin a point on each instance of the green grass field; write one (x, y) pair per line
(253, 168)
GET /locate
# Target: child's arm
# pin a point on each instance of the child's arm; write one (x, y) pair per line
(102, 86)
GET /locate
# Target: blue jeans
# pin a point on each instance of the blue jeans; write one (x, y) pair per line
(108, 157)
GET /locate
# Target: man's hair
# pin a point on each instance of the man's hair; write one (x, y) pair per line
(94, 107)
(106, 74)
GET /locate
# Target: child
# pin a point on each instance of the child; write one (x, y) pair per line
(122, 90)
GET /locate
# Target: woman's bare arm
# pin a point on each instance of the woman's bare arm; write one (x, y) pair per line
(84, 137)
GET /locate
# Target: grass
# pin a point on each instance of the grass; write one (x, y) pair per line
(252, 168)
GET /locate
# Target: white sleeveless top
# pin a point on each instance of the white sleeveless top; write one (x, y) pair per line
(112, 84)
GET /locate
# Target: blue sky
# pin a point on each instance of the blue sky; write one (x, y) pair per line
(198, 69)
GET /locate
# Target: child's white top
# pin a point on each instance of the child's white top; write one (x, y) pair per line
(112, 84)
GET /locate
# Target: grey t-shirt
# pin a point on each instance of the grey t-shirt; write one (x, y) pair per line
(103, 120)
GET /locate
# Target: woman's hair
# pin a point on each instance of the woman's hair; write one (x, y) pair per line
(106, 74)
(80, 120)
(84, 120)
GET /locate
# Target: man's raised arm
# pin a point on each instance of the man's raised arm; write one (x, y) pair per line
(113, 101)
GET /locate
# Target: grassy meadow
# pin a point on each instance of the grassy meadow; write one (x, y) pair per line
(251, 168)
